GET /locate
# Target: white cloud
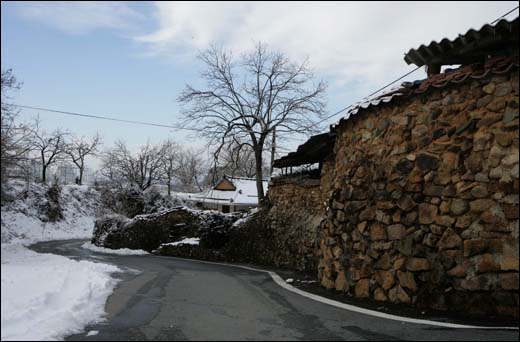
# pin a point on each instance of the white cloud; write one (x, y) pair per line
(360, 43)
(80, 17)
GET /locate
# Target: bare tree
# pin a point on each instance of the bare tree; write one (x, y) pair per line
(141, 169)
(237, 159)
(247, 101)
(170, 162)
(49, 147)
(14, 136)
(192, 168)
(79, 148)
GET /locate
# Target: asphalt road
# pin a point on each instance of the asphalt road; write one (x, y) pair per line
(177, 299)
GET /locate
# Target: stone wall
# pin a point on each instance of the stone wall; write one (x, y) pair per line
(297, 208)
(423, 206)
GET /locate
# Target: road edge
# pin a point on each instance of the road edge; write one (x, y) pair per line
(349, 307)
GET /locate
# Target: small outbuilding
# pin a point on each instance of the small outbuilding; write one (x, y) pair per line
(231, 194)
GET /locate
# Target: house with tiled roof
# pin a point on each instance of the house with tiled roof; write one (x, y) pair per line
(231, 194)
(416, 200)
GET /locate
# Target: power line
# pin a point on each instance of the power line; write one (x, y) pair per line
(104, 117)
(400, 78)
(375, 92)
(497, 19)
(194, 129)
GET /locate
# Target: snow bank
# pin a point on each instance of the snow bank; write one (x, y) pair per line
(46, 297)
(245, 217)
(121, 251)
(23, 219)
(187, 241)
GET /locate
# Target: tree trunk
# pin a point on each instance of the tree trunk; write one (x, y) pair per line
(273, 151)
(44, 173)
(169, 188)
(259, 176)
(80, 181)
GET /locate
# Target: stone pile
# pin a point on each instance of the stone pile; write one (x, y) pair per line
(424, 200)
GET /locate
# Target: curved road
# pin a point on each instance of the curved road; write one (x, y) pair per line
(176, 299)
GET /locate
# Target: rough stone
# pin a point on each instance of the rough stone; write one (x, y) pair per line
(427, 162)
(379, 295)
(362, 226)
(479, 283)
(367, 214)
(430, 240)
(384, 262)
(481, 205)
(503, 139)
(450, 239)
(407, 280)
(464, 221)
(489, 119)
(341, 283)
(399, 263)
(458, 271)
(385, 279)
(509, 281)
(480, 191)
(401, 120)
(427, 213)
(484, 101)
(433, 190)
(514, 172)
(445, 220)
(503, 89)
(489, 88)
(396, 232)
(362, 289)
(417, 264)
(398, 295)
(511, 159)
(377, 232)
(479, 246)
(406, 203)
(510, 115)
(486, 263)
(459, 207)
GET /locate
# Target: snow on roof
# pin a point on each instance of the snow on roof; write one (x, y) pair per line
(245, 192)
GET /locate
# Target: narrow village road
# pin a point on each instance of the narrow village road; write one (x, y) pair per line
(175, 299)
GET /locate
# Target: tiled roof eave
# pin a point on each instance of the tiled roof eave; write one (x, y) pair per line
(496, 66)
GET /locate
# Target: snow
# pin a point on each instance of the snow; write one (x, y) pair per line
(121, 251)
(93, 333)
(186, 241)
(245, 217)
(22, 220)
(244, 194)
(47, 296)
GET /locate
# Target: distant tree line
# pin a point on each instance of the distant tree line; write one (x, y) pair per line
(24, 144)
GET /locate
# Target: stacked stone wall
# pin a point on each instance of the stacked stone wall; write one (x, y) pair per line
(422, 200)
(296, 212)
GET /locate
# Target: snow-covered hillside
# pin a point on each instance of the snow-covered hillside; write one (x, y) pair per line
(25, 216)
(46, 296)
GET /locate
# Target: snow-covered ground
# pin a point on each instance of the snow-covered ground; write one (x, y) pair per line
(186, 241)
(121, 251)
(46, 296)
(24, 216)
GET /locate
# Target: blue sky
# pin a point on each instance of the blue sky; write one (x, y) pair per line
(131, 60)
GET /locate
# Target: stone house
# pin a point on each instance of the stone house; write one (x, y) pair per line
(417, 199)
